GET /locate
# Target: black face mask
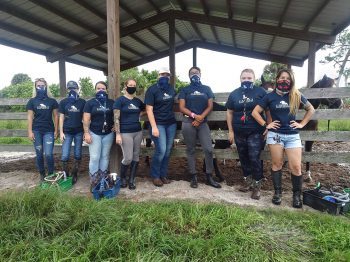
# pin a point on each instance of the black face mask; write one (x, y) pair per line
(131, 89)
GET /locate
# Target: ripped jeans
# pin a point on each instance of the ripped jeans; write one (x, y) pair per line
(43, 144)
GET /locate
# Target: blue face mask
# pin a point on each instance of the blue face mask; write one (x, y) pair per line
(41, 92)
(195, 80)
(247, 85)
(101, 96)
(163, 81)
(72, 96)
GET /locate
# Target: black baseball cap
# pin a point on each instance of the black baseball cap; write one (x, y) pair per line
(72, 84)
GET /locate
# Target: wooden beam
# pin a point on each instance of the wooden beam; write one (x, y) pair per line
(206, 11)
(91, 8)
(307, 26)
(131, 50)
(280, 23)
(255, 20)
(250, 27)
(194, 56)
(62, 76)
(172, 51)
(311, 64)
(157, 56)
(249, 53)
(113, 44)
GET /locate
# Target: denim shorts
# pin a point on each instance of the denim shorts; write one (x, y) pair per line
(285, 140)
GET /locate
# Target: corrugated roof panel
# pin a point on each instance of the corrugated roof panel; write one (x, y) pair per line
(281, 45)
(243, 39)
(130, 42)
(261, 42)
(301, 49)
(225, 35)
(184, 28)
(150, 38)
(206, 32)
(243, 10)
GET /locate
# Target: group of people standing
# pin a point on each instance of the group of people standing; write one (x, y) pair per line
(253, 116)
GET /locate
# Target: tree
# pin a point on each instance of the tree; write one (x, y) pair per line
(21, 90)
(271, 70)
(339, 55)
(20, 78)
(55, 90)
(87, 87)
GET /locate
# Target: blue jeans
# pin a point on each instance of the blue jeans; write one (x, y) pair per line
(67, 143)
(99, 150)
(163, 145)
(43, 144)
(285, 140)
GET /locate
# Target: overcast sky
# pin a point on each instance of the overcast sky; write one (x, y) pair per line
(220, 71)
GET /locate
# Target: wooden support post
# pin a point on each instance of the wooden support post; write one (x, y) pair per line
(194, 56)
(289, 66)
(62, 76)
(113, 44)
(172, 51)
(311, 64)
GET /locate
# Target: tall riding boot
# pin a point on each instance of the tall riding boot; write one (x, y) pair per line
(217, 171)
(277, 184)
(194, 182)
(256, 189)
(297, 182)
(123, 171)
(247, 184)
(65, 167)
(133, 171)
(75, 171)
(211, 182)
(42, 176)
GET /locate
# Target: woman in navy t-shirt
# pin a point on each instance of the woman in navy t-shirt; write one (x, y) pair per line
(159, 100)
(196, 102)
(127, 110)
(42, 130)
(98, 125)
(283, 132)
(246, 132)
(71, 128)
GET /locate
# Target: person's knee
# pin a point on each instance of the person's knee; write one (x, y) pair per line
(277, 165)
(295, 168)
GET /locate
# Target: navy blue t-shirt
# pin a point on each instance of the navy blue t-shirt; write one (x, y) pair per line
(100, 113)
(73, 115)
(241, 100)
(196, 98)
(129, 113)
(279, 108)
(42, 109)
(162, 100)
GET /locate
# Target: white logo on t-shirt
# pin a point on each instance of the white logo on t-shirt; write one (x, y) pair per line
(132, 106)
(166, 96)
(73, 109)
(282, 104)
(42, 106)
(197, 93)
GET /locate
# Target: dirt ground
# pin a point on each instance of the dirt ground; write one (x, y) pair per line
(18, 172)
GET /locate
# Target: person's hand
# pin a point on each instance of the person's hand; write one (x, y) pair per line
(55, 134)
(295, 125)
(230, 137)
(87, 138)
(62, 137)
(113, 129)
(199, 118)
(31, 136)
(195, 123)
(118, 139)
(273, 125)
(155, 132)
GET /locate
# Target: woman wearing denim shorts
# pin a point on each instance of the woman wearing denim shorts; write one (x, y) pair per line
(98, 124)
(127, 111)
(42, 130)
(283, 132)
(159, 100)
(71, 128)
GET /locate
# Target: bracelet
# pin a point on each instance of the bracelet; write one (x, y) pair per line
(265, 124)
(193, 114)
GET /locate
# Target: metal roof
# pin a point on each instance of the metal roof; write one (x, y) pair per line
(75, 30)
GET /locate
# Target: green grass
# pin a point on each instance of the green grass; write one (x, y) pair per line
(15, 141)
(335, 125)
(47, 226)
(13, 124)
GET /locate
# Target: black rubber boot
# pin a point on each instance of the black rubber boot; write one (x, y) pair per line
(217, 171)
(194, 182)
(75, 171)
(133, 171)
(42, 176)
(277, 184)
(297, 182)
(65, 167)
(123, 171)
(211, 182)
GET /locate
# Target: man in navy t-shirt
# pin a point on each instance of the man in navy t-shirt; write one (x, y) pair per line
(42, 130)
(71, 128)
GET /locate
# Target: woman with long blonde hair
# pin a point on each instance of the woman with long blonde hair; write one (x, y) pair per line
(283, 132)
(42, 125)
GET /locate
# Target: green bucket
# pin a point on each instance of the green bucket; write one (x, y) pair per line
(63, 184)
